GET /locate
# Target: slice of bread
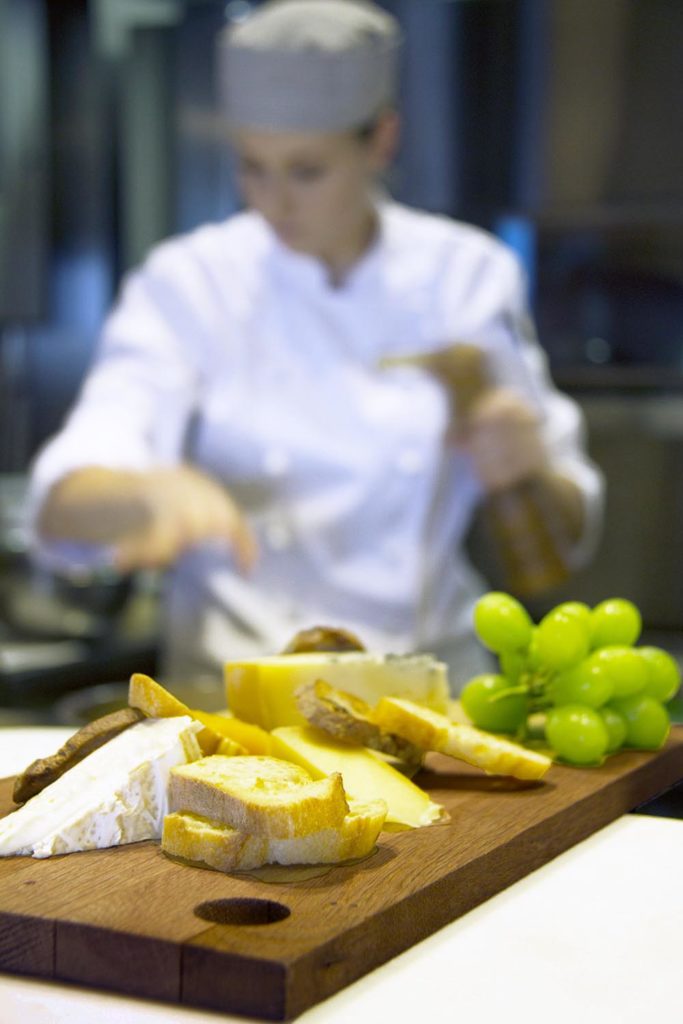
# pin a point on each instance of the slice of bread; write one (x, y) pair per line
(432, 731)
(209, 842)
(262, 795)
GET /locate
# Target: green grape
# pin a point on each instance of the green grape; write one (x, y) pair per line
(502, 623)
(664, 674)
(512, 664)
(647, 721)
(504, 714)
(577, 733)
(615, 724)
(576, 608)
(615, 621)
(533, 660)
(625, 668)
(561, 640)
(586, 683)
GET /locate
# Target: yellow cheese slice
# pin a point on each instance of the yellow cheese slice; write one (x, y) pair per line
(229, 748)
(365, 777)
(254, 739)
(263, 690)
(155, 701)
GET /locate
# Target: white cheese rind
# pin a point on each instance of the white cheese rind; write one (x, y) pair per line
(118, 794)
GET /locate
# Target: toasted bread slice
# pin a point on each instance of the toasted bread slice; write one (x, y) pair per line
(457, 713)
(432, 731)
(261, 795)
(199, 839)
(350, 718)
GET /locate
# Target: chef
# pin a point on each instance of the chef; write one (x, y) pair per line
(242, 428)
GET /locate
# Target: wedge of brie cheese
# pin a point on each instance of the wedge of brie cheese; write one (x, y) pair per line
(116, 795)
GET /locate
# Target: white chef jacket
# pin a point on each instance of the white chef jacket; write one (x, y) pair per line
(233, 352)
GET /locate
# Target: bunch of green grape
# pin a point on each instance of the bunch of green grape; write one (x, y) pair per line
(576, 681)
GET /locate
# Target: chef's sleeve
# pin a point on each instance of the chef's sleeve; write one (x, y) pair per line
(136, 401)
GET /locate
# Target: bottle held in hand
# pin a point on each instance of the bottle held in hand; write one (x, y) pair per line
(528, 529)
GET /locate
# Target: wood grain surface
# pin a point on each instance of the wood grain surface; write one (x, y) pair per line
(127, 919)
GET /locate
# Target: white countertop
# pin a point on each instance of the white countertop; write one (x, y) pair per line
(593, 937)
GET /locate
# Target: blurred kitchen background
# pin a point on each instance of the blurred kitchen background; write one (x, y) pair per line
(557, 124)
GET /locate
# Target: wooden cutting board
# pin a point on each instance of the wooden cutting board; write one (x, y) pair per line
(133, 921)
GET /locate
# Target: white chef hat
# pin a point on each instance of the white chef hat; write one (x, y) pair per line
(309, 65)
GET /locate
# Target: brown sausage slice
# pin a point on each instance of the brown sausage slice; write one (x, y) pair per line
(349, 718)
(323, 638)
(45, 770)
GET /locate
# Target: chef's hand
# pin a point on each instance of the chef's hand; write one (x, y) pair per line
(502, 437)
(183, 508)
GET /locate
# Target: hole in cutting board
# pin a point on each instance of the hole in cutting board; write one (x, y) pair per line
(242, 911)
